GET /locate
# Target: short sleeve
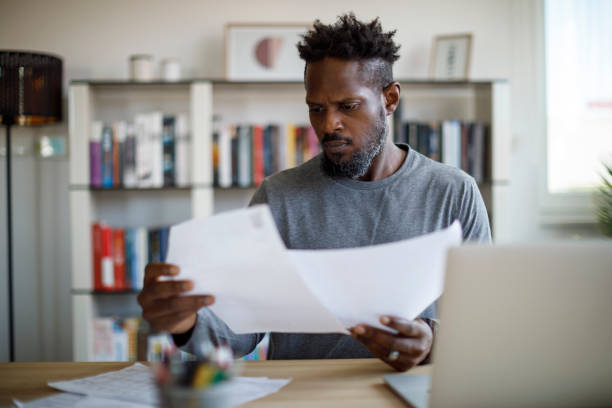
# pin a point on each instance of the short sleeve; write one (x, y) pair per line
(473, 214)
(260, 196)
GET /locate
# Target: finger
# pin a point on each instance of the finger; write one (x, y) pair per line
(156, 269)
(402, 363)
(169, 323)
(159, 290)
(389, 341)
(176, 305)
(408, 328)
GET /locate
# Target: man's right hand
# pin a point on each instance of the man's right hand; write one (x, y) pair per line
(161, 304)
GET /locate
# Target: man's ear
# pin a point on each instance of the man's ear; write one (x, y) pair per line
(391, 97)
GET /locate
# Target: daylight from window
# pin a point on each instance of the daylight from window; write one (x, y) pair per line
(578, 92)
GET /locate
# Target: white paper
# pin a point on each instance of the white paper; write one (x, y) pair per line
(134, 387)
(261, 286)
(358, 285)
(239, 257)
(132, 384)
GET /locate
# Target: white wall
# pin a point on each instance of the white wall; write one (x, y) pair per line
(95, 39)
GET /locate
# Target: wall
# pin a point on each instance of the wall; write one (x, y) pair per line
(95, 39)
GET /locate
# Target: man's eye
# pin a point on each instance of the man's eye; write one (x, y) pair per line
(315, 109)
(350, 106)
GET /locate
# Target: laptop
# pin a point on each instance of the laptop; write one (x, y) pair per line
(521, 326)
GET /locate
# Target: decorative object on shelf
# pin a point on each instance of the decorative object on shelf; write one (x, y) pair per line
(141, 67)
(450, 57)
(171, 69)
(604, 202)
(256, 52)
(30, 94)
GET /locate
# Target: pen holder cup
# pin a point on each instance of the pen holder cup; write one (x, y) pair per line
(176, 396)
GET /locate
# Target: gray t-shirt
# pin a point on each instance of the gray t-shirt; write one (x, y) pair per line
(313, 211)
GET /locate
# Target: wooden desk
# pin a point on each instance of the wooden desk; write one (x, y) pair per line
(320, 383)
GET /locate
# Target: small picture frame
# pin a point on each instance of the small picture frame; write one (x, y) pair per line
(263, 52)
(450, 57)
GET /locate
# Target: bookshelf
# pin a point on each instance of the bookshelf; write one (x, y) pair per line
(235, 102)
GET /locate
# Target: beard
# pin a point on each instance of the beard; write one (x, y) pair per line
(358, 164)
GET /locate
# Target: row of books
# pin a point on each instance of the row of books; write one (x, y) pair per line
(120, 255)
(461, 144)
(127, 339)
(243, 155)
(151, 151)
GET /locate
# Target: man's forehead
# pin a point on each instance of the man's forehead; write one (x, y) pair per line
(348, 77)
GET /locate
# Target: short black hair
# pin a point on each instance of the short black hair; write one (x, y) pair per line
(353, 40)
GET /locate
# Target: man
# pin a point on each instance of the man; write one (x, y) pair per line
(362, 190)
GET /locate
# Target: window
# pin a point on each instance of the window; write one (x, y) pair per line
(578, 42)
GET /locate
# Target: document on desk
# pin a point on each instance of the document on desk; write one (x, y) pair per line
(134, 387)
(260, 286)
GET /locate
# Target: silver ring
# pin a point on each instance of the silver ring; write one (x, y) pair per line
(393, 355)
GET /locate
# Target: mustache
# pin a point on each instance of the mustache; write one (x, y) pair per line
(333, 137)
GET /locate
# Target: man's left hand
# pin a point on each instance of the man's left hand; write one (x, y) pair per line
(403, 350)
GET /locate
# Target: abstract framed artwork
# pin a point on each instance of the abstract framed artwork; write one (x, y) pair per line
(450, 57)
(263, 52)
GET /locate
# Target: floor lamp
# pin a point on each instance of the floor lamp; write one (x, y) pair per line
(30, 94)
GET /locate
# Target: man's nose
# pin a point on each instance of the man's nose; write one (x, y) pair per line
(333, 122)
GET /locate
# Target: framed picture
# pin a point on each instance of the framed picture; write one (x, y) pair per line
(450, 57)
(263, 52)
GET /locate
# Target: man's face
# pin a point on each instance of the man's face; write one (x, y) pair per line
(347, 115)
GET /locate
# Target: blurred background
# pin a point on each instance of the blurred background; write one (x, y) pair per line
(556, 58)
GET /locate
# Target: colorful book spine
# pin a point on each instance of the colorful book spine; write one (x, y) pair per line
(258, 155)
(116, 151)
(119, 259)
(164, 233)
(168, 150)
(129, 256)
(107, 268)
(130, 178)
(154, 246)
(96, 240)
(95, 154)
(142, 248)
(107, 157)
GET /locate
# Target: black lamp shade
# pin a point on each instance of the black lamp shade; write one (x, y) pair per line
(30, 88)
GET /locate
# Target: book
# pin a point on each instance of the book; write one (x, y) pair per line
(130, 257)
(155, 122)
(168, 150)
(119, 136)
(245, 155)
(106, 258)
(291, 146)
(225, 156)
(119, 259)
(130, 177)
(155, 254)
(95, 154)
(142, 255)
(182, 152)
(259, 155)
(164, 233)
(144, 151)
(96, 241)
(102, 334)
(107, 157)
(451, 143)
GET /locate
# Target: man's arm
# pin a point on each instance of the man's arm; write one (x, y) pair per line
(211, 328)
